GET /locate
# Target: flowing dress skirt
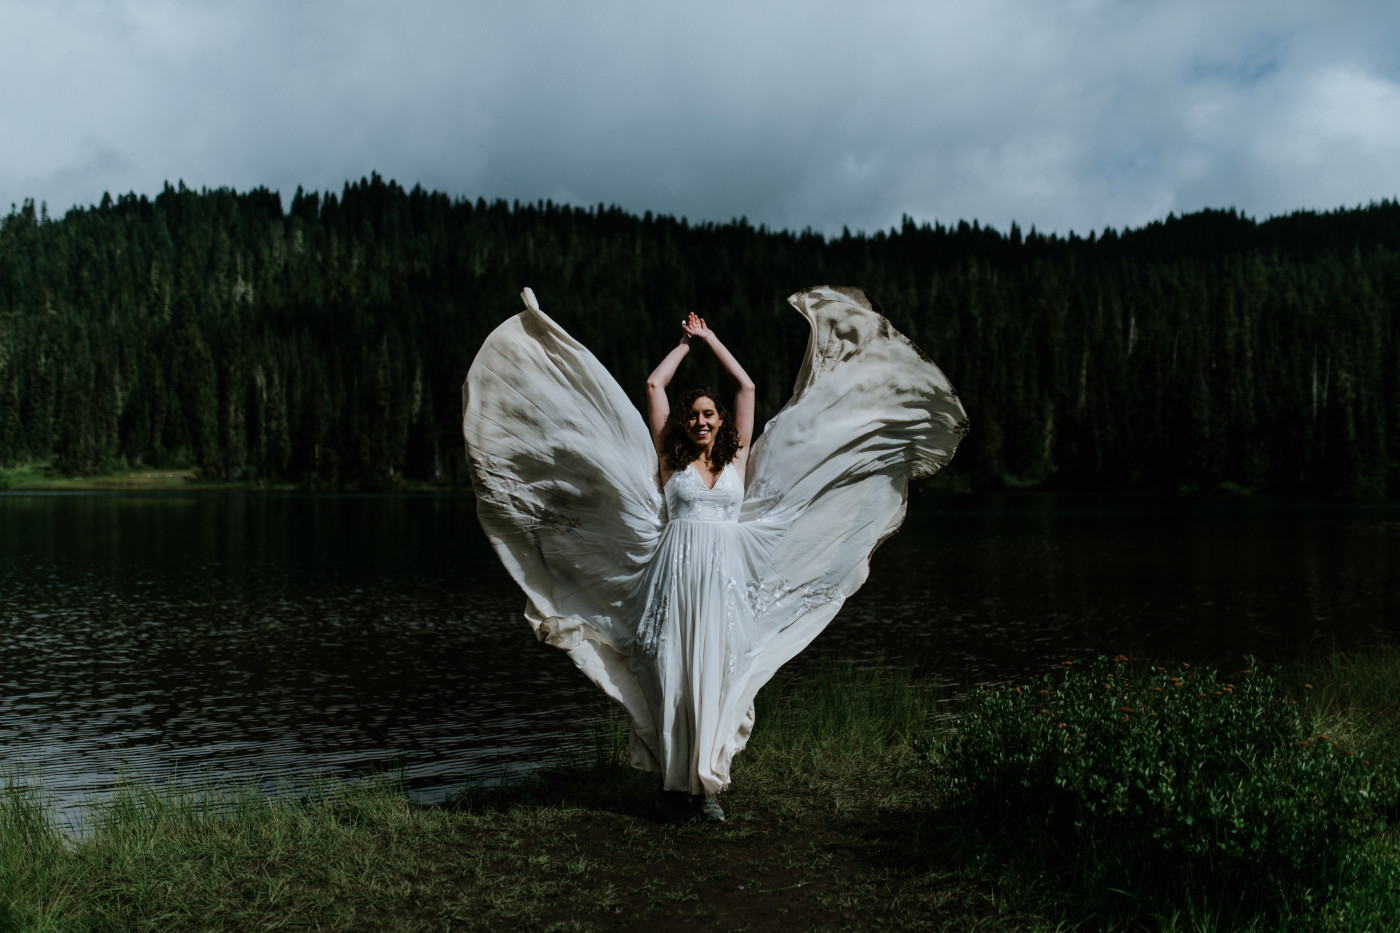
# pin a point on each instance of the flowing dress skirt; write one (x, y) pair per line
(565, 476)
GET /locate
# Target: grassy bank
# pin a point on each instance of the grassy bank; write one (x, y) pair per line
(40, 476)
(843, 816)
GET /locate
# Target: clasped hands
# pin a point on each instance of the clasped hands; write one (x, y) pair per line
(693, 330)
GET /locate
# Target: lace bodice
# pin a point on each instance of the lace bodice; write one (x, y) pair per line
(687, 497)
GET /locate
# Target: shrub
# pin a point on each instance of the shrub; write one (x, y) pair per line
(1176, 784)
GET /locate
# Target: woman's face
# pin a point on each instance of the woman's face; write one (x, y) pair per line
(702, 422)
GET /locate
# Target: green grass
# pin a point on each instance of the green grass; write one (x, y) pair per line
(31, 475)
(41, 476)
(1358, 692)
(834, 824)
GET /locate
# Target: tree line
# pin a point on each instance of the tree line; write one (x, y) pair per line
(326, 343)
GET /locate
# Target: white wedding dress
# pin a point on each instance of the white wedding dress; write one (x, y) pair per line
(680, 607)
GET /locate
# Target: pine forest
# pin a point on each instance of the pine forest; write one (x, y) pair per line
(326, 344)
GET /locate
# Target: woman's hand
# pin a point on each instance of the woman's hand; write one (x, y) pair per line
(697, 332)
(695, 329)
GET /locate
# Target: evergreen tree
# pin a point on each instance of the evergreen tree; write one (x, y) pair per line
(327, 345)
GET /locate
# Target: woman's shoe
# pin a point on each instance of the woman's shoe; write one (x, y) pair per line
(710, 810)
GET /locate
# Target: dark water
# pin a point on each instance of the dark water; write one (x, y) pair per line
(238, 637)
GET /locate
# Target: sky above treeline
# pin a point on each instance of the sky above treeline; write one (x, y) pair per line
(1058, 115)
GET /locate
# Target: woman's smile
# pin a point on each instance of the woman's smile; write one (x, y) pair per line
(703, 421)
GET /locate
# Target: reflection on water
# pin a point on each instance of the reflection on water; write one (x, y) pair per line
(239, 636)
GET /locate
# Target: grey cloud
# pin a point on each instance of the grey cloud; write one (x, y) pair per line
(1063, 116)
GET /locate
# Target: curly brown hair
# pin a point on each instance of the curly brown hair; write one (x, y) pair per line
(679, 448)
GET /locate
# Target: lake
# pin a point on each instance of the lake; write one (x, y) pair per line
(242, 636)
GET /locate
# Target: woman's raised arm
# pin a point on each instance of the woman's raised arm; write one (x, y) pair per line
(658, 406)
(695, 329)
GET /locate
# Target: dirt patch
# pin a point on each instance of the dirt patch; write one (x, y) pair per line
(779, 869)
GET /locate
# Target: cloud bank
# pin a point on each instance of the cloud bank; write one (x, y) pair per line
(1061, 115)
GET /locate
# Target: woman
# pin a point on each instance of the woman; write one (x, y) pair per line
(680, 608)
(686, 626)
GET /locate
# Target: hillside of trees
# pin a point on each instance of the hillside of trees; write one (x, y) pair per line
(326, 344)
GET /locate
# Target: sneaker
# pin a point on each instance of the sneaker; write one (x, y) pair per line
(710, 810)
(675, 807)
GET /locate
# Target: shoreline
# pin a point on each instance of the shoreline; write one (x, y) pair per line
(835, 821)
(36, 477)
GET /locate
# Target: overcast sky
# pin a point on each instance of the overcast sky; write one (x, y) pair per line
(1061, 115)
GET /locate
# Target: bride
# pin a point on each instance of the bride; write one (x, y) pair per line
(681, 566)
